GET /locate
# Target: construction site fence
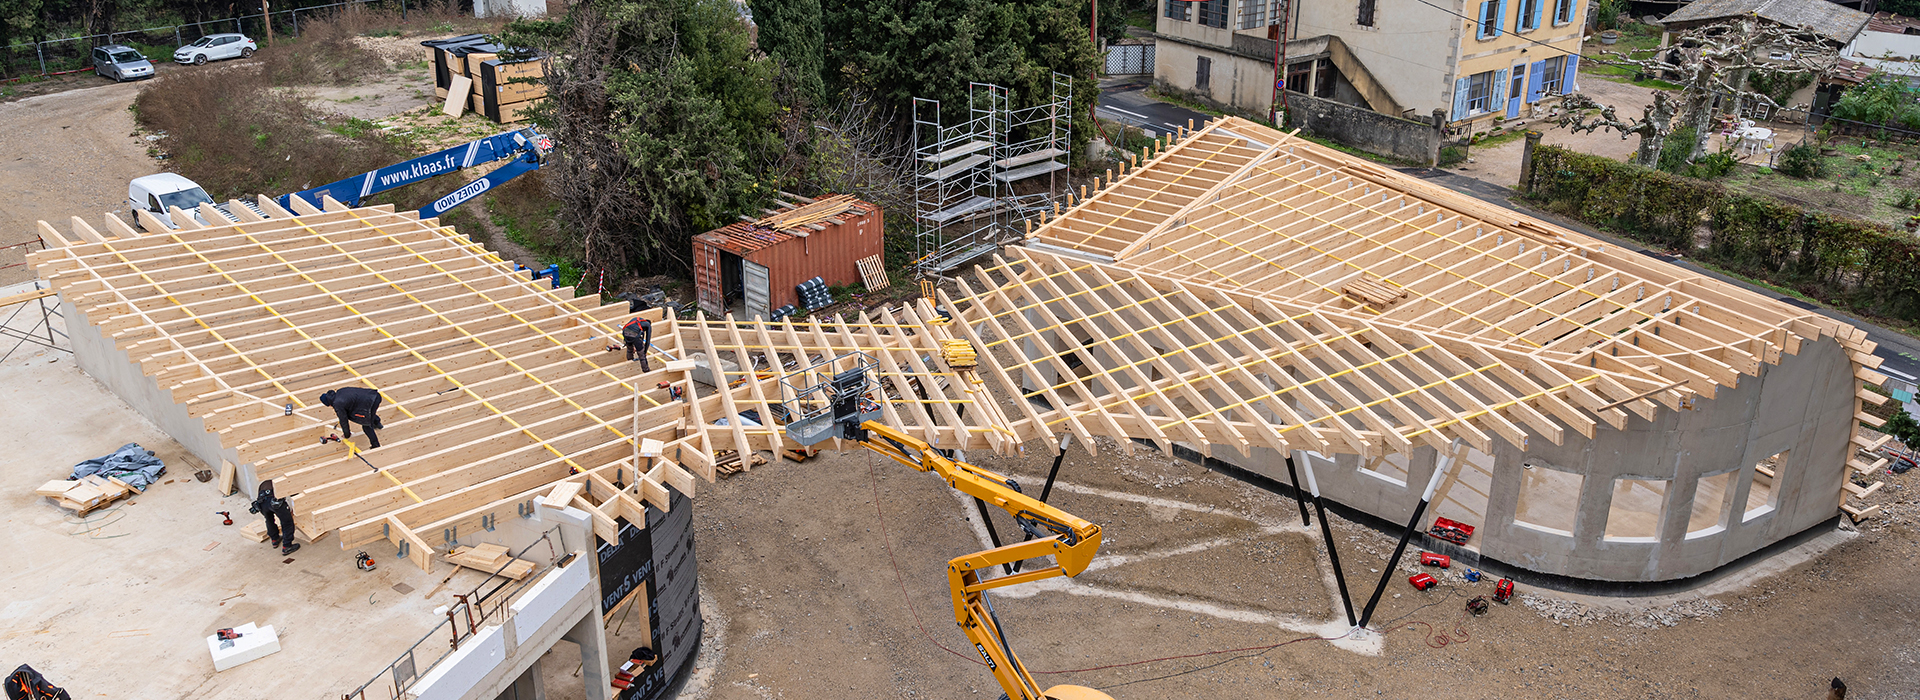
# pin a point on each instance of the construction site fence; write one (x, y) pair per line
(487, 604)
(59, 56)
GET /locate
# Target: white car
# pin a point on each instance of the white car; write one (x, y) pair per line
(214, 47)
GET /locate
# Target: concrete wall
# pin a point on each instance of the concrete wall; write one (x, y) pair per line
(1237, 82)
(1875, 48)
(101, 359)
(1411, 46)
(1804, 406)
(1367, 130)
(509, 8)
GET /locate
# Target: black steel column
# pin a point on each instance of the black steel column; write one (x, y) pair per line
(1333, 553)
(1299, 496)
(1058, 457)
(1440, 469)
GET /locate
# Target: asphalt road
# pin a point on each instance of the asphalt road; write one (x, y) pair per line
(1125, 100)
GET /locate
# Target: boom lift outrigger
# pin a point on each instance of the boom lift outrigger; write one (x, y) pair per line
(843, 408)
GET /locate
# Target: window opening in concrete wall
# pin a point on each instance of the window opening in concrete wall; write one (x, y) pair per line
(1549, 498)
(1391, 467)
(1634, 515)
(1202, 73)
(1763, 493)
(1179, 10)
(1710, 500)
(1462, 496)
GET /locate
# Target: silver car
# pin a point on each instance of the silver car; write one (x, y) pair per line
(121, 63)
(214, 47)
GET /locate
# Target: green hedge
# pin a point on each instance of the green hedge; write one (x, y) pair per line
(1849, 263)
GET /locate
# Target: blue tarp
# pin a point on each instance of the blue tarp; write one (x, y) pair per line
(131, 463)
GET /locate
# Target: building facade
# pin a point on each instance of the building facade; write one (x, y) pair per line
(1476, 61)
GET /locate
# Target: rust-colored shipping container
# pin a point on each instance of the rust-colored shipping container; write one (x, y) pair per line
(751, 268)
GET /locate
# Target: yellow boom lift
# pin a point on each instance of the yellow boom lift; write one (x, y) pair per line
(843, 406)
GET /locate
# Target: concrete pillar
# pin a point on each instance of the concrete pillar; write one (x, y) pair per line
(591, 635)
(1526, 162)
(529, 686)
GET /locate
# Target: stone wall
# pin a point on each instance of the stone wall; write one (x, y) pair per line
(1370, 131)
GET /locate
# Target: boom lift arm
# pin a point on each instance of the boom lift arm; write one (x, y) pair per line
(526, 147)
(1071, 541)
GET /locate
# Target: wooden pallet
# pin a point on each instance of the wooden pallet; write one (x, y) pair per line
(489, 558)
(87, 494)
(874, 273)
(727, 463)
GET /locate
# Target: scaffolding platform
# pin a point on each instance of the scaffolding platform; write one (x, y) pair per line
(957, 151)
(965, 207)
(1030, 171)
(1029, 159)
(958, 168)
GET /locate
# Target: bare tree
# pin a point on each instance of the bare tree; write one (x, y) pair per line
(1653, 127)
(858, 151)
(1709, 63)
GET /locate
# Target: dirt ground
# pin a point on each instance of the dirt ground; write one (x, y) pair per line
(819, 590)
(66, 154)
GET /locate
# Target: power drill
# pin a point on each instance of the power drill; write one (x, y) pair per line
(226, 517)
(330, 438)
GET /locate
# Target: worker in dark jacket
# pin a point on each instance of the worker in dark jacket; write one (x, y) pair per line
(639, 334)
(279, 515)
(352, 404)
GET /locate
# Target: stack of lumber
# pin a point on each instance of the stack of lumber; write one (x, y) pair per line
(87, 494)
(811, 214)
(490, 558)
(959, 354)
(727, 462)
(475, 69)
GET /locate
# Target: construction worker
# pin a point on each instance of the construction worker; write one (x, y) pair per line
(352, 404)
(639, 334)
(279, 515)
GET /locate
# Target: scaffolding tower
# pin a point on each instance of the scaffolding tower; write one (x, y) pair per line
(966, 194)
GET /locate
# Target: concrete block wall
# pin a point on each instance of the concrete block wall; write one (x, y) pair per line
(108, 364)
(1803, 406)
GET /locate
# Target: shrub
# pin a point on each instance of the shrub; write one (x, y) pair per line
(1673, 153)
(1712, 165)
(1906, 199)
(1802, 161)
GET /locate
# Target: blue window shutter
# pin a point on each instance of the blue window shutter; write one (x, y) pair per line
(1500, 14)
(1479, 20)
(1536, 78)
(1539, 9)
(1566, 83)
(1460, 99)
(1497, 96)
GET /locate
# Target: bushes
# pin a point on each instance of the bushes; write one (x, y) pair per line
(1846, 262)
(1802, 161)
(231, 132)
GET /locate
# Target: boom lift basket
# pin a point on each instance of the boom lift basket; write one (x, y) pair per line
(829, 393)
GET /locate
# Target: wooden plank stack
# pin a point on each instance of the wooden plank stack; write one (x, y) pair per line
(727, 462)
(491, 85)
(87, 494)
(489, 558)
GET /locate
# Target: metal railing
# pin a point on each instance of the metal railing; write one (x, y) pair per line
(72, 54)
(471, 612)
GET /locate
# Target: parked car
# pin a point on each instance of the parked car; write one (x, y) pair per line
(121, 63)
(158, 194)
(214, 47)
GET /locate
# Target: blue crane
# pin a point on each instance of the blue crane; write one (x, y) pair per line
(526, 147)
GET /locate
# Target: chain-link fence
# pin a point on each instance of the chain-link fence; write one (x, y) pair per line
(71, 55)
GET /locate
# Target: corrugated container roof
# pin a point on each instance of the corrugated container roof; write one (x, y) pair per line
(743, 237)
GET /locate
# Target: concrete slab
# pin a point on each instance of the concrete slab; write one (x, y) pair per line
(140, 584)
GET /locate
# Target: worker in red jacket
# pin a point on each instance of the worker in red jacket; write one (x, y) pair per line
(639, 334)
(352, 404)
